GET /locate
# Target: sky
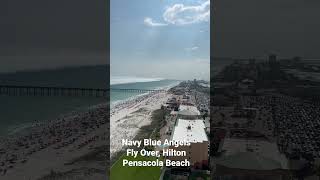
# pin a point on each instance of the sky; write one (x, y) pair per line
(255, 28)
(160, 38)
(37, 34)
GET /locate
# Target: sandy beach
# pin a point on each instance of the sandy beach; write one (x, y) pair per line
(74, 145)
(66, 147)
(127, 118)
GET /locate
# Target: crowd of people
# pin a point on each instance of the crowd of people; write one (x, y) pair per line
(129, 103)
(75, 131)
(296, 124)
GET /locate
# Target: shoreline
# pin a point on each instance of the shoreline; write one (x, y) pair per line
(59, 141)
(116, 103)
(18, 130)
(66, 141)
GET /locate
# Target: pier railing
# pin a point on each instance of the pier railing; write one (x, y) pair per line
(137, 90)
(14, 90)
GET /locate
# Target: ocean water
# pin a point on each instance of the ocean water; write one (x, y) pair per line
(19, 112)
(148, 84)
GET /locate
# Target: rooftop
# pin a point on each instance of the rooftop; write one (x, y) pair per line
(190, 130)
(188, 110)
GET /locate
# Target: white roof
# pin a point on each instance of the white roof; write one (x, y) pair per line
(192, 110)
(194, 134)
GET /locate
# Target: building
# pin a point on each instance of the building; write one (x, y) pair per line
(186, 100)
(272, 59)
(172, 103)
(192, 131)
(188, 112)
(245, 159)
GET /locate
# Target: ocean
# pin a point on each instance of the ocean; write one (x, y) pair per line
(136, 83)
(20, 112)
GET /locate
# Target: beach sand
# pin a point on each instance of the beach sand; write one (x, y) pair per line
(75, 145)
(71, 147)
(126, 119)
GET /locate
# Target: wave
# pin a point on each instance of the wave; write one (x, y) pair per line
(130, 79)
(115, 103)
(28, 127)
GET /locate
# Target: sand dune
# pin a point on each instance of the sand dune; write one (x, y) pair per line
(126, 119)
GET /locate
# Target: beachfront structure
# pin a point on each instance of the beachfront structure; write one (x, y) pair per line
(172, 103)
(243, 158)
(188, 112)
(192, 131)
(190, 109)
(186, 99)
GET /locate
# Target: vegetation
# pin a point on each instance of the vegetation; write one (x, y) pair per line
(199, 176)
(157, 121)
(148, 131)
(192, 176)
(119, 172)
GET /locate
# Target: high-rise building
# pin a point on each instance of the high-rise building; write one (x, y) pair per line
(272, 59)
(194, 132)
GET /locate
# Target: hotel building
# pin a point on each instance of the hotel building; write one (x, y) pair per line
(192, 131)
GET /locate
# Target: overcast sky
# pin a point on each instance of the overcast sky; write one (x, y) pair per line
(254, 28)
(160, 38)
(51, 33)
(44, 33)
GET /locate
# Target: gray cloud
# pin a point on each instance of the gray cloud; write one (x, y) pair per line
(43, 29)
(254, 28)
